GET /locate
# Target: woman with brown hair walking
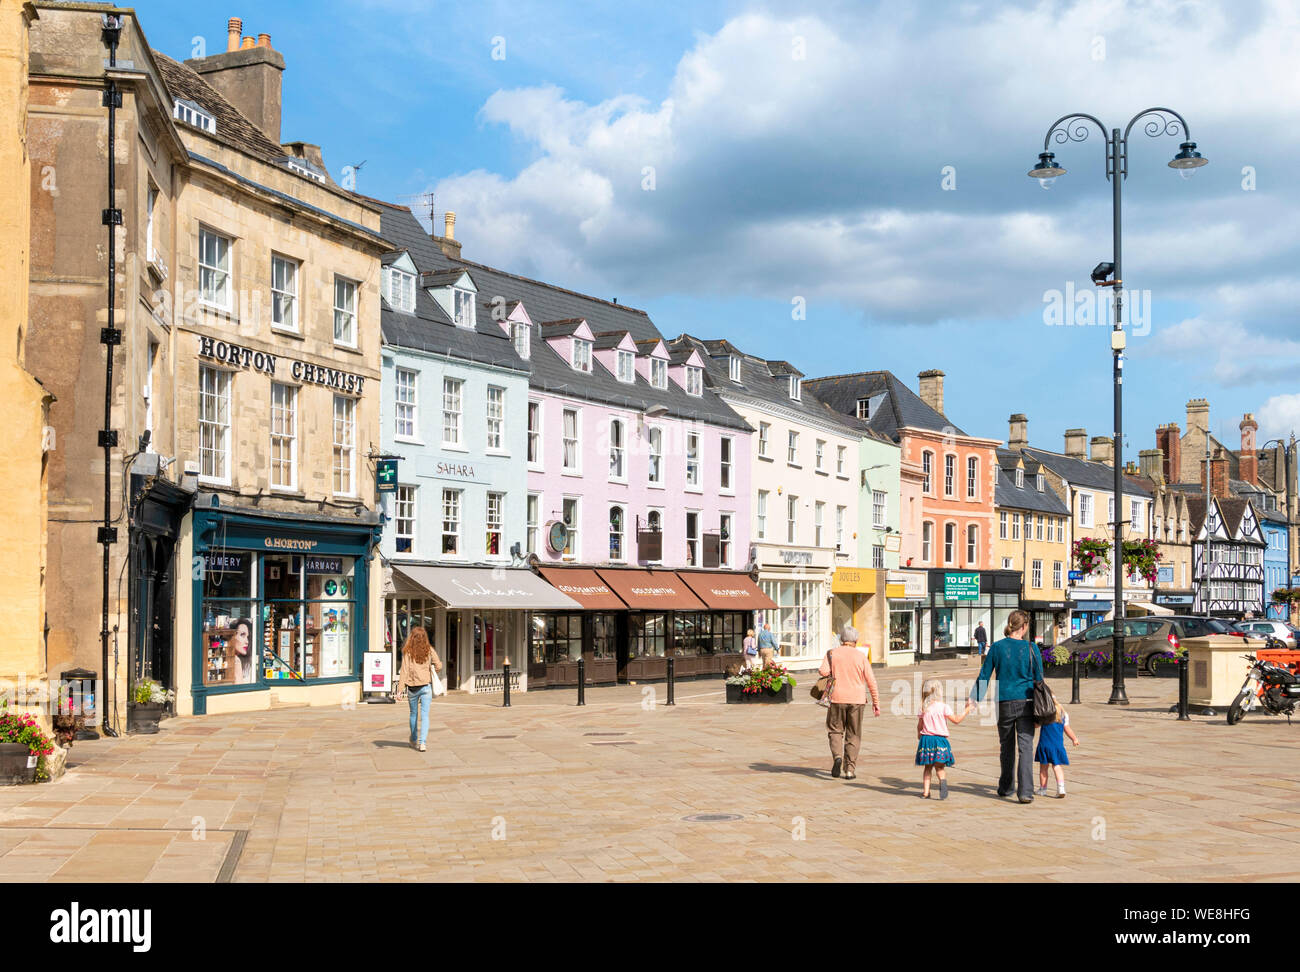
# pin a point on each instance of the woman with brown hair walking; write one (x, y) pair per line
(1017, 666)
(415, 681)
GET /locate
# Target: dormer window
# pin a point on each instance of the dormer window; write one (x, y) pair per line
(464, 308)
(519, 334)
(581, 355)
(659, 372)
(626, 367)
(695, 381)
(864, 408)
(191, 114)
(1020, 479)
(399, 290)
(1041, 482)
(795, 388)
(304, 168)
(733, 367)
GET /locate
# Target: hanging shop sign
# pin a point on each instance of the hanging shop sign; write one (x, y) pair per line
(311, 374)
(557, 536)
(386, 475)
(907, 584)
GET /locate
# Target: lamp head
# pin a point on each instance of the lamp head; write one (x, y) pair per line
(1188, 160)
(1046, 170)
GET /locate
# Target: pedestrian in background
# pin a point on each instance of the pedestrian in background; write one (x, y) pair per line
(1018, 666)
(766, 645)
(851, 679)
(982, 639)
(415, 682)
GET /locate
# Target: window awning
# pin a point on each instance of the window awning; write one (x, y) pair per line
(487, 587)
(724, 591)
(584, 586)
(652, 590)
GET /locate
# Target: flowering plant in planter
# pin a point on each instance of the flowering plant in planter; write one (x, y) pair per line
(25, 731)
(770, 679)
(150, 692)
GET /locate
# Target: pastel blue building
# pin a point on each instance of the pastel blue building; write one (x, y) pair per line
(1276, 573)
(455, 411)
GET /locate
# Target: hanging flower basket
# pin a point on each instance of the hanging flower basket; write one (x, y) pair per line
(1141, 557)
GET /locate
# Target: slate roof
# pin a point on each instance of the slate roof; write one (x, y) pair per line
(547, 370)
(903, 407)
(430, 328)
(1027, 497)
(1085, 472)
(758, 383)
(232, 127)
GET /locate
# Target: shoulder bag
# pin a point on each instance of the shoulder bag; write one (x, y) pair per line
(1044, 704)
(821, 690)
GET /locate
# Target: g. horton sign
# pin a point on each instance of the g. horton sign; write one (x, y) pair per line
(961, 587)
(240, 357)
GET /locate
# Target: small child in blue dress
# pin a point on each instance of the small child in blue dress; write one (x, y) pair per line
(933, 751)
(1051, 750)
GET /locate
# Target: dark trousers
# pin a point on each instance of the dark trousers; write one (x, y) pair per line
(1016, 731)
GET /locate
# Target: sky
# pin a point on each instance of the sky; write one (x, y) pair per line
(843, 185)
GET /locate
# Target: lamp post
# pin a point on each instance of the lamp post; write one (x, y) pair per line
(1074, 128)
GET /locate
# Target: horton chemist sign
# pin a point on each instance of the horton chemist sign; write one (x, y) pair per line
(961, 587)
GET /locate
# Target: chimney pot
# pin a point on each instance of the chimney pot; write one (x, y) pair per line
(234, 27)
(249, 43)
(449, 222)
(263, 40)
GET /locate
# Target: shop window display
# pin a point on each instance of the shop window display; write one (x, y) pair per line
(229, 618)
(647, 635)
(307, 616)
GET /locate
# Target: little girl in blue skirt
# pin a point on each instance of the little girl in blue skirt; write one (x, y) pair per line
(1051, 750)
(933, 750)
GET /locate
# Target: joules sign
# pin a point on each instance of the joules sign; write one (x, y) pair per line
(241, 357)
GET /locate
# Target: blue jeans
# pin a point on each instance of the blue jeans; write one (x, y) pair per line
(419, 699)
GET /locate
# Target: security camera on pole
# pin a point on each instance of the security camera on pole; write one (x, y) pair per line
(1074, 128)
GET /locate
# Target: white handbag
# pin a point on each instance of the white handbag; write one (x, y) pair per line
(439, 687)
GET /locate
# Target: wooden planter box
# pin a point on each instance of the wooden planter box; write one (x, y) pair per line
(736, 693)
(144, 716)
(14, 768)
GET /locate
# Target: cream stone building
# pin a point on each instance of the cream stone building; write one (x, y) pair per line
(245, 387)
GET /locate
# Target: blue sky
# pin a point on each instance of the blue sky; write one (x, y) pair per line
(715, 162)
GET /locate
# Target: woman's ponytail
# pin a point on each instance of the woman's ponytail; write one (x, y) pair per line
(1018, 620)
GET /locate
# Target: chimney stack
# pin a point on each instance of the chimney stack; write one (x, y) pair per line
(1170, 443)
(931, 386)
(1151, 464)
(1198, 415)
(1103, 449)
(1019, 432)
(448, 243)
(248, 75)
(1218, 474)
(1248, 464)
(1076, 443)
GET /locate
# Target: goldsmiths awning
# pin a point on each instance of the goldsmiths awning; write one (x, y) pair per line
(487, 587)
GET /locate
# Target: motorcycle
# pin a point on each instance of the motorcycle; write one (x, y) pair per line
(1270, 686)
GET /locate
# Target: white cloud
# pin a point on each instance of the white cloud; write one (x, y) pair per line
(1279, 417)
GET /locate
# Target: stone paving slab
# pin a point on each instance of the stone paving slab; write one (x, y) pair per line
(547, 791)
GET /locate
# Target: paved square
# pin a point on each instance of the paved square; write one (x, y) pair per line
(547, 791)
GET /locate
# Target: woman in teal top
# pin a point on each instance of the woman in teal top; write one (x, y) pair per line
(1017, 665)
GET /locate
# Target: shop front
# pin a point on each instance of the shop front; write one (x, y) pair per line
(593, 632)
(477, 618)
(908, 592)
(857, 598)
(1088, 608)
(1180, 602)
(798, 581)
(278, 610)
(959, 602)
(1046, 621)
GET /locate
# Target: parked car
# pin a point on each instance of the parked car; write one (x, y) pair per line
(1156, 636)
(1270, 627)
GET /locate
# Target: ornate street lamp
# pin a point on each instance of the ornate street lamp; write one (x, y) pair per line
(1075, 128)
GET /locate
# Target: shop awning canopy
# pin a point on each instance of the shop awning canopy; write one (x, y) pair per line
(584, 586)
(723, 591)
(652, 590)
(487, 587)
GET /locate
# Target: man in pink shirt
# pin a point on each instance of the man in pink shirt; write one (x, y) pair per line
(850, 668)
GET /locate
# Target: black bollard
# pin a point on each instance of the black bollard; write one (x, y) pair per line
(505, 675)
(582, 680)
(1074, 678)
(670, 681)
(1183, 715)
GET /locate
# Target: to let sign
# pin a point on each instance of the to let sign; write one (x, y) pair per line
(961, 587)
